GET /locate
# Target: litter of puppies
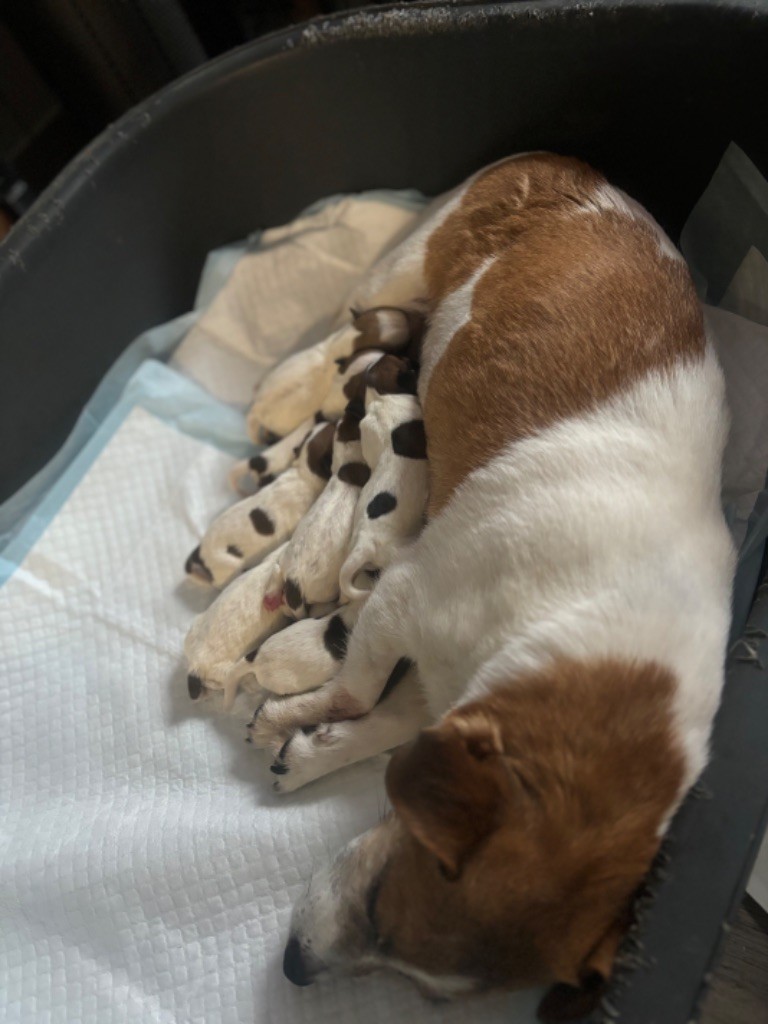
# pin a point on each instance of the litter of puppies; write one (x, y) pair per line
(324, 509)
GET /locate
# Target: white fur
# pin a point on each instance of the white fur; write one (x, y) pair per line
(285, 500)
(452, 314)
(375, 542)
(615, 546)
(234, 624)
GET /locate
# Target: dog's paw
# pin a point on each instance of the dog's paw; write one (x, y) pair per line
(300, 758)
(265, 728)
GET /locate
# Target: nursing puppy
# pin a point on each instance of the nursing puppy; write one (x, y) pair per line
(220, 640)
(391, 507)
(253, 527)
(567, 604)
(249, 475)
(303, 383)
(307, 573)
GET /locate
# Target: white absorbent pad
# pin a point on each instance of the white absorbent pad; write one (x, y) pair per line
(147, 870)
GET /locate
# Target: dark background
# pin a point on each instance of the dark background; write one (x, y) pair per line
(70, 67)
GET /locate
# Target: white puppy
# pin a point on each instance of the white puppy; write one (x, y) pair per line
(391, 507)
(235, 623)
(295, 389)
(253, 527)
(307, 572)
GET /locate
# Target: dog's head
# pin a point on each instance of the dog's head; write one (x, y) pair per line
(516, 844)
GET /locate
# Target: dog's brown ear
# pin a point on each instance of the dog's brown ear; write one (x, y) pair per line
(446, 787)
(566, 1001)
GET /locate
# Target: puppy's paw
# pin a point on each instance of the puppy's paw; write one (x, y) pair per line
(264, 729)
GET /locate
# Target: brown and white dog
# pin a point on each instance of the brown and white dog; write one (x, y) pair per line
(567, 605)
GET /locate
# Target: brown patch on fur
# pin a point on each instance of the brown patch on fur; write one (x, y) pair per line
(529, 820)
(387, 327)
(349, 428)
(392, 375)
(355, 386)
(263, 522)
(320, 451)
(354, 390)
(195, 566)
(355, 473)
(576, 307)
(292, 593)
(410, 440)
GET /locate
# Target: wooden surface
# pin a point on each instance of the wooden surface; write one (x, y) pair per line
(739, 992)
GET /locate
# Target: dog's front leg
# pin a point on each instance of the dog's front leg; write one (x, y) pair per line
(378, 641)
(313, 752)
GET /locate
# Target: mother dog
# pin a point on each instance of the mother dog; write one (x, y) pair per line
(566, 607)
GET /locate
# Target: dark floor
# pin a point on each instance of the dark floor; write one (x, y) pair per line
(739, 993)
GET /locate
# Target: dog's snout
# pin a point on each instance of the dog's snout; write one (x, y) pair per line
(295, 966)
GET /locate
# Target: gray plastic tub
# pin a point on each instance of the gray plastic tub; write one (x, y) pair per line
(414, 96)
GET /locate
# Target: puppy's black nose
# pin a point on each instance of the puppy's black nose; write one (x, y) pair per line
(294, 965)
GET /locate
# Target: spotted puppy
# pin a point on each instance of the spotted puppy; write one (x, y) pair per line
(567, 604)
(303, 383)
(390, 511)
(253, 527)
(307, 573)
(248, 475)
(219, 640)
(306, 654)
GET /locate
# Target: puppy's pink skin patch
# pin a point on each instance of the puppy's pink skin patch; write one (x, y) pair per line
(273, 601)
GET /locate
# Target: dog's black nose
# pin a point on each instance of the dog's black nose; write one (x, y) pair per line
(294, 965)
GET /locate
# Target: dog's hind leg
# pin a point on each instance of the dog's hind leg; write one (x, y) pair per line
(317, 751)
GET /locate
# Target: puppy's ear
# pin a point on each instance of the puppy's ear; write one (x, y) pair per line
(447, 787)
(581, 994)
